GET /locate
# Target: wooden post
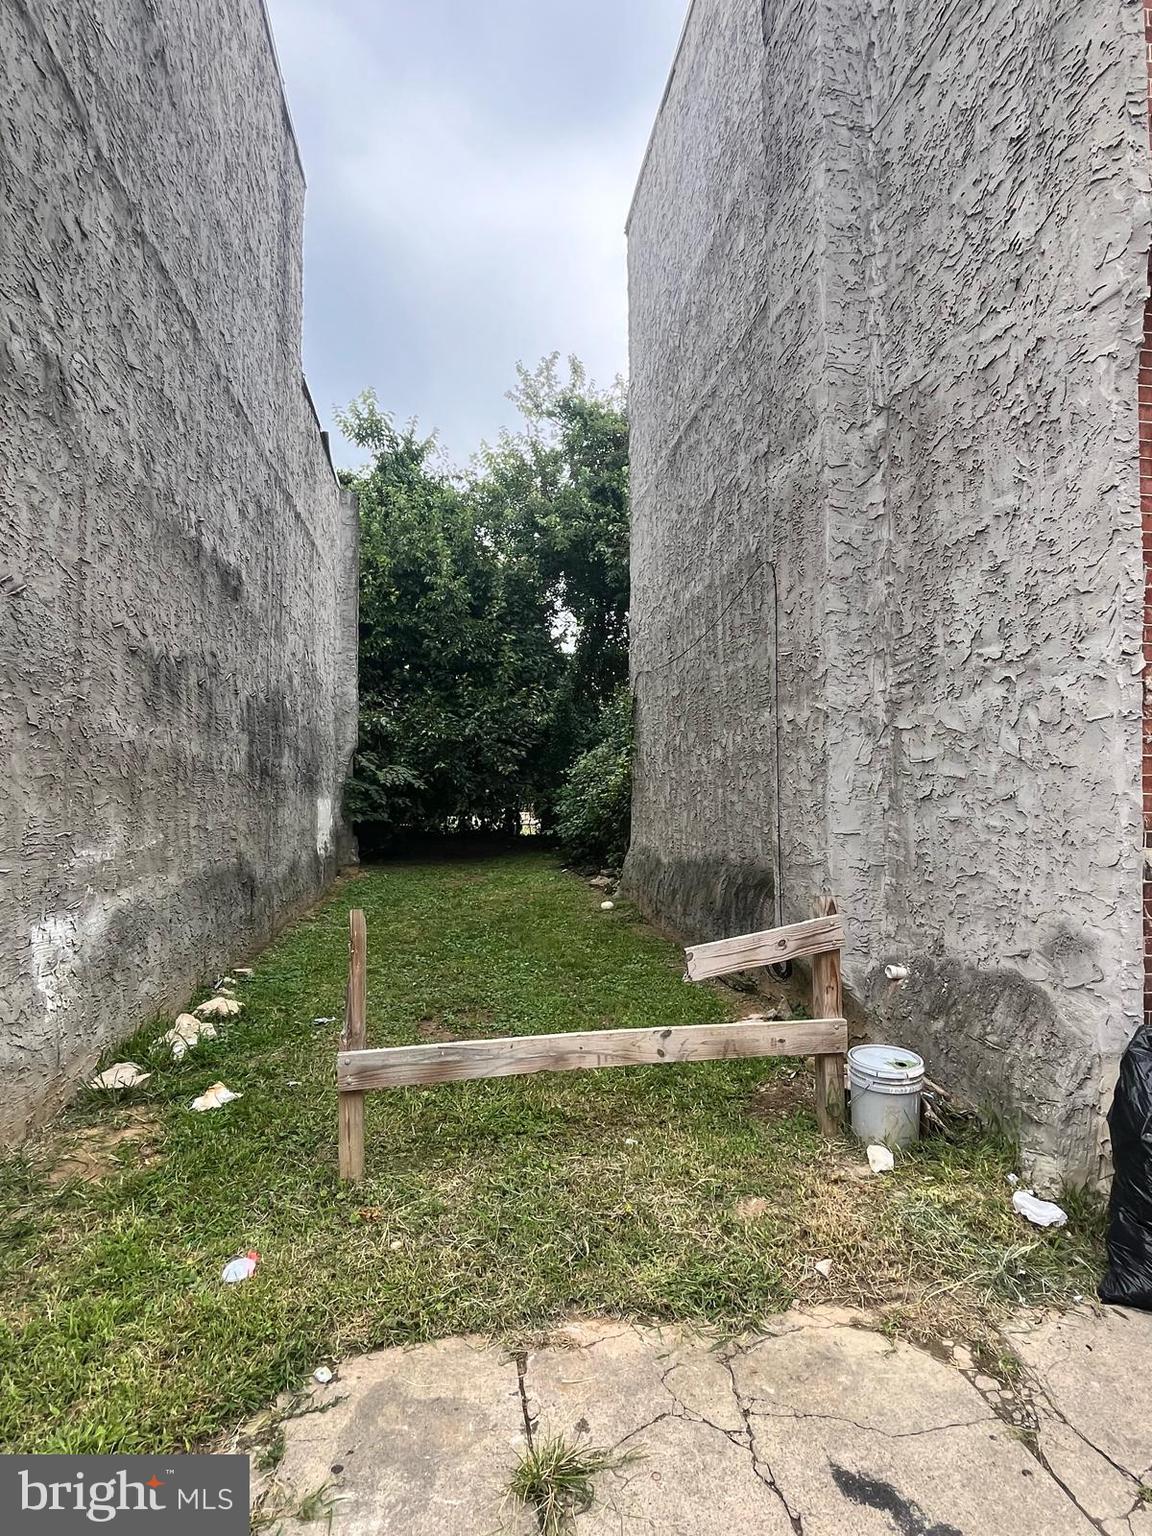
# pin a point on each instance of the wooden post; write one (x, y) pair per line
(354, 1038)
(828, 1002)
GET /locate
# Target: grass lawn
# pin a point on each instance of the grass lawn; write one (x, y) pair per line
(495, 1207)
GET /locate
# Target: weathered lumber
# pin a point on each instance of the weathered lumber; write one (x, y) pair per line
(518, 1055)
(353, 1039)
(772, 947)
(828, 997)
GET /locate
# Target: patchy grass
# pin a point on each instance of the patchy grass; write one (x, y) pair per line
(554, 1480)
(494, 1207)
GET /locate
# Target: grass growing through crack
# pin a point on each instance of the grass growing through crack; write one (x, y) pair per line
(317, 1505)
(490, 1207)
(554, 1479)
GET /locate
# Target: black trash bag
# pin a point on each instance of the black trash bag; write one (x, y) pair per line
(1128, 1281)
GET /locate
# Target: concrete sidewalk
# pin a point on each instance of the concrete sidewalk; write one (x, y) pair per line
(820, 1426)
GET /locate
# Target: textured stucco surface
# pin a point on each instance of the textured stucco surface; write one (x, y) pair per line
(177, 564)
(887, 269)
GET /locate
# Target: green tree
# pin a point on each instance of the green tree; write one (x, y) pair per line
(494, 607)
(457, 662)
(561, 486)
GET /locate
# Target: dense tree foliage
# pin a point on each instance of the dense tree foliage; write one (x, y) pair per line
(594, 806)
(493, 608)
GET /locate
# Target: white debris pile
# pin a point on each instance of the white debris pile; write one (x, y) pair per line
(125, 1074)
(187, 1031)
(218, 1008)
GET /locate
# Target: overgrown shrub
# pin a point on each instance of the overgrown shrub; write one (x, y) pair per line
(594, 807)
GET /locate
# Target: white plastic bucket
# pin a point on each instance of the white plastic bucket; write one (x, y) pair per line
(886, 1083)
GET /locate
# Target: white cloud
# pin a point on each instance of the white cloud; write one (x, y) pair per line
(487, 233)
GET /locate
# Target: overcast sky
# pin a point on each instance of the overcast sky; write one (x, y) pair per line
(469, 167)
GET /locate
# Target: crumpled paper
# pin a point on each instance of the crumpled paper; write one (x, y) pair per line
(240, 1268)
(218, 1008)
(1041, 1213)
(125, 1074)
(214, 1097)
(187, 1031)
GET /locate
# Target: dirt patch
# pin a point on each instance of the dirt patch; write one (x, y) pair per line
(96, 1152)
(456, 1024)
(791, 1093)
(752, 1208)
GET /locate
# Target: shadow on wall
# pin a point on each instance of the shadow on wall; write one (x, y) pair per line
(702, 899)
(1001, 1036)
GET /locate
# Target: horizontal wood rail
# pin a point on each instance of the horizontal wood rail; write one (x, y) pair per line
(821, 937)
(772, 947)
(359, 1070)
(519, 1055)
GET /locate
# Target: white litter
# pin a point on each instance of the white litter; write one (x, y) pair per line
(187, 1031)
(244, 970)
(322, 1374)
(607, 906)
(896, 972)
(125, 1074)
(396, 1246)
(880, 1160)
(240, 1268)
(1013, 1179)
(218, 1008)
(213, 1097)
(292, 1082)
(1041, 1213)
(629, 1141)
(823, 1267)
(324, 1021)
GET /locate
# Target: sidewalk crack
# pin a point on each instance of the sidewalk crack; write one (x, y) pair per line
(521, 1361)
(761, 1468)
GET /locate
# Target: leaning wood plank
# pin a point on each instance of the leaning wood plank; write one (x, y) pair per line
(518, 1055)
(354, 1036)
(771, 947)
(828, 996)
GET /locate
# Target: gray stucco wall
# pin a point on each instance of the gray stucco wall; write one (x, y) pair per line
(177, 564)
(887, 271)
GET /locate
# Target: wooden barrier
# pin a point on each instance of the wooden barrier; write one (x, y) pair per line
(825, 1036)
(353, 1039)
(828, 993)
(772, 947)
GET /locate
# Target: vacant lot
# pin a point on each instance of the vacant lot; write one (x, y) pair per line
(495, 1207)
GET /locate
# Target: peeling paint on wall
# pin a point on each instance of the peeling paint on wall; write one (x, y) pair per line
(325, 825)
(177, 563)
(887, 271)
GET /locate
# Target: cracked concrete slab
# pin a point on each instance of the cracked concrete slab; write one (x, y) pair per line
(1089, 1377)
(663, 1396)
(417, 1441)
(866, 1435)
(818, 1426)
(1083, 1361)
